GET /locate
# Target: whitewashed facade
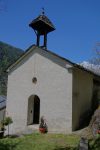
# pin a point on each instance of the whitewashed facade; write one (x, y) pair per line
(62, 92)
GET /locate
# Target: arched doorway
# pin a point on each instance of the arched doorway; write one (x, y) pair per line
(33, 110)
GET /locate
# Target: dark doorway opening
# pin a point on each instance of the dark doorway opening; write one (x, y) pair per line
(36, 114)
(33, 110)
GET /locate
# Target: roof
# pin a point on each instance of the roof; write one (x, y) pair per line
(33, 47)
(42, 23)
(2, 101)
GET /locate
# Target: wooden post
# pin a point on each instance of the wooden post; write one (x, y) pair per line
(45, 40)
(38, 39)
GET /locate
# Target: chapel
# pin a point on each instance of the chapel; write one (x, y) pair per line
(42, 83)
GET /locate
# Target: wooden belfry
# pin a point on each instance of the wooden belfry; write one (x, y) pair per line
(42, 26)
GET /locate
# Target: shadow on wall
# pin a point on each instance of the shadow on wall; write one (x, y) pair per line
(95, 100)
(85, 118)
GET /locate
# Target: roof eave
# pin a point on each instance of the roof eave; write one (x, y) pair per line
(31, 48)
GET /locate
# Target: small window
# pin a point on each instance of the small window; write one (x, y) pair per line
(34, 80)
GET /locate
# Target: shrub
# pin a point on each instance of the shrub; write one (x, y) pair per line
(6, 122)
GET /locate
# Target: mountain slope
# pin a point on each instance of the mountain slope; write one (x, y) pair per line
(8, 55)
(92, 67)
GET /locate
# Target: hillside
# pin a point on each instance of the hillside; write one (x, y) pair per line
(8, 55)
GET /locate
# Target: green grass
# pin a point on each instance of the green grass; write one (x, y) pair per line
(38, 141)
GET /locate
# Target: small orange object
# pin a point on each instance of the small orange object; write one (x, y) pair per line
(98, 131)
(42, 130)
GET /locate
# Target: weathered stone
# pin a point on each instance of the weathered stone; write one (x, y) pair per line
(95, 122)
(83, 144)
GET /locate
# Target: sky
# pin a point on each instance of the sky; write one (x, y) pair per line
(77, 24)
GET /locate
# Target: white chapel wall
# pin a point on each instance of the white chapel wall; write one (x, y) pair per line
(53, 87)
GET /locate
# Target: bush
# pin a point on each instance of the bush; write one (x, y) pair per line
(95, 144)
(6, 122)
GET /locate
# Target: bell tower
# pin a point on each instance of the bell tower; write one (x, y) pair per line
(42, 26)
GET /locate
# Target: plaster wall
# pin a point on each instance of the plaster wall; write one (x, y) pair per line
(82, 95)
(53, 87)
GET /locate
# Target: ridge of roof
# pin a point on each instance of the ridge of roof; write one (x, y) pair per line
(32, 47)
(74, 64)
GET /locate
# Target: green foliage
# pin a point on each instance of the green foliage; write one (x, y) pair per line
(7, 145)
(38, 141)
(8, 55)
(7, 121)
(95, 144)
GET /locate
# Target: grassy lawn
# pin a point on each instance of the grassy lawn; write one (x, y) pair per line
(39, 141)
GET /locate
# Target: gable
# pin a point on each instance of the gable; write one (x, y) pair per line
(33, 50)
(48, 54)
